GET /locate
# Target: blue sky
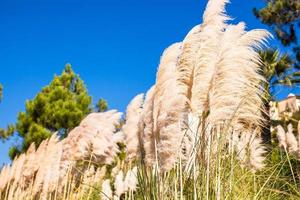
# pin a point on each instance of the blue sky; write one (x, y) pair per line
(114, 45)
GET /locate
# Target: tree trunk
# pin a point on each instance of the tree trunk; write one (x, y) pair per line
(266, 130)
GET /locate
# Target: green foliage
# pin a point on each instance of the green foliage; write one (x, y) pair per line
(284, 182)
(93, 193)
(13, 152)
(122, 153)
(60, 106)
(5, 133)
(276, 69)
(225, 180)
(101, 106)
(284, 17)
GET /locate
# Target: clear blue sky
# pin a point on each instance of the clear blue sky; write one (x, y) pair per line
(114, 45)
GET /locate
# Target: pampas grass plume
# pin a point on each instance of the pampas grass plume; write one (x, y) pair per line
(106, 193)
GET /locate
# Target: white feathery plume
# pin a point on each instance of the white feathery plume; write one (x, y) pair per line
(73, 149)
(197, 63)
(28, 171)
(115, 197)
(39, 155)
(169, 111)
(43, 168)
(235, 95)
(2, 177)
(291, 140)
(104, 147)
(256, 38)
(78, 144)
(18, 170)
(119, 184)
(207, 53)
(241, 147)
(51, 180)
(96, 120)
(131, 127)
(11, 171)
(146, 124)
(100, 173)
(88, 176)
(118, 137)
(5, 171)
(13, 190)
(51, 168)
(106, 192)
(222, 104)
(94, 137)
(115, 171)
(187, 60)
(250, 151)
(191, 140)
(214, 14)
(257, 151)
(220, 84)
(235, 92)
(104, 150)
(131, 180)
(281, 136)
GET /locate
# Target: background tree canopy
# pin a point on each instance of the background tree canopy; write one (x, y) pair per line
(59, 107)
(101, 106)
(284, 17)
(1, 92)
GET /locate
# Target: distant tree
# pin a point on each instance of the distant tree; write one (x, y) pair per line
(10, 128)
(277, 69)
(284, 18)
(5, 133)
(101, 106)
(1, 92)
(59, 107)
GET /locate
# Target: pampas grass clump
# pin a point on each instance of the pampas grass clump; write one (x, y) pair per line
(214, 76)
(46, 171)
(196, 134)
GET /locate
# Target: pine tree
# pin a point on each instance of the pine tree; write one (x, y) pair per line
(284, 18)
(59, 107)
(101, 106)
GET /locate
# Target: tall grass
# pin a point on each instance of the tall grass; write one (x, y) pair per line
(225, 179)
(196, 135)
(217, 173)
